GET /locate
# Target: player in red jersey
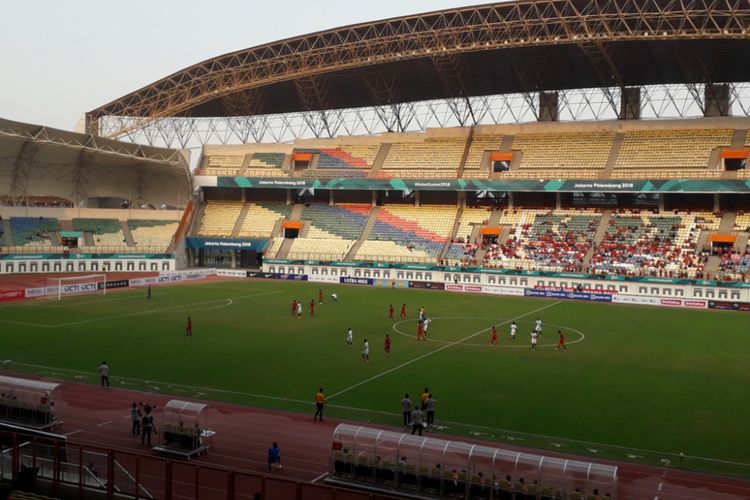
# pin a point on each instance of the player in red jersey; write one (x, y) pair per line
(294, 307)
(420, 331)
(390, 311)
(320, 296)
(312, 307)
(387, 344)
(561, 342)
(494, 340)
(403, 311)
(189, 328)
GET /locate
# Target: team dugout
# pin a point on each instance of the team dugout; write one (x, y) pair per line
(28, 403)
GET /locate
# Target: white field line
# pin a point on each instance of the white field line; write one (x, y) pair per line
(55, 305)
(319, 477)
(435, 351)
(149, 311)
(367, 410)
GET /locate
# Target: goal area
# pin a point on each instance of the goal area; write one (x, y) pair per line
(70, 286)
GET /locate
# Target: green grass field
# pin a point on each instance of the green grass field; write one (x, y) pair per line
(656, 379)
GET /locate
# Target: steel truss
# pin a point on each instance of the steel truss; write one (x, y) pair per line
(661, 101)
(439, 36)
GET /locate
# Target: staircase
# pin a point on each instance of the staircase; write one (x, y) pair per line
(614, 153)
(465, 155)
(727, 222)
(379, 160)
(712, 266)
(55, 239)
(297, 211)
(741, 243)
(366, 231)
(598, 237)
(447, 245)
(738, 139)
(285, 247)
(494, 221)
(7, 232)
(240, 220)
(127, 233)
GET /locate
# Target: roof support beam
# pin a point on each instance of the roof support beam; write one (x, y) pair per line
(21, 172)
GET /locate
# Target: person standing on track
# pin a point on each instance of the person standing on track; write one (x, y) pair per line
(320, 401)
(104, 373)
(147, 425)
(429, 406)
(417, 421)
(406, 409)
(274, 456)
(135, 416)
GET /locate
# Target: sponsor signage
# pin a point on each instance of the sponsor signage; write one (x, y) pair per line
(427, 284)
(85, 256)
(318, 278)
(35, 292)
(349, 280)
(513, 185)
(231, 273)
(80, 287)
(253, 274)
(290, 277)
(226, 244)
(561, 294)
(503, 290)
(7, 295)
(729, 306)
(114, 284)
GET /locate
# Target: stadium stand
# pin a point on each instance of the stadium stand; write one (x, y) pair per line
(104, 232)
(153, 235)
(580, 151)
(405, 233)
(463, 249)
(347, 160)
(219, 218)
(545, 240)
(670, 150)
(273, 247)
(641, 243)
(480, 144)
(332, 231)
(262, 217)
(31, 234)
(434, 157)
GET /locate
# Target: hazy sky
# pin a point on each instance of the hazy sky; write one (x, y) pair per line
(63, 58)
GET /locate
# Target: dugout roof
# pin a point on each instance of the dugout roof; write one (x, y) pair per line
(512, 47)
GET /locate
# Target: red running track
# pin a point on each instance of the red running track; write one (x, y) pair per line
(100, 417)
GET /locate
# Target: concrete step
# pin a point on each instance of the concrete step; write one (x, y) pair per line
(297, 211)
(465, 155)
(614, 153)
(366, 231)
(286, 246)
(601, 230)
(447, 245)
(379, 160)
(727, 222)
(240, 220)
(127, 233)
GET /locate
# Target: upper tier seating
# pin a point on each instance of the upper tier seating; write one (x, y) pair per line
(670, 149)
(648, 244)
(262, 217)
(33, 231)
(354, 159)
(550, 151)
(431, 158)
(546, 240)
(479, 145)
(266, 160)
(421, 232)
(742, 222)
(155, 234)
(332, 231)
(227, 161)
(106, 232)
(219, 218)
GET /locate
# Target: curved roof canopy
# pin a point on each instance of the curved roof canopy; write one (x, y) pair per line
(523, 46)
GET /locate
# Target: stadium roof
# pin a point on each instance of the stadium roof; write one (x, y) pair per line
(24, 147)
(515, 47)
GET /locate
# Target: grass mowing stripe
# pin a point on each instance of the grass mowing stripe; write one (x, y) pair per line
(439, 349)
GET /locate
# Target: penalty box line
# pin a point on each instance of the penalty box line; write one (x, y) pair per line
(140, 313)
(439, 349)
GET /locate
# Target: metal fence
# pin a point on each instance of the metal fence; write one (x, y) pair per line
(119, 473)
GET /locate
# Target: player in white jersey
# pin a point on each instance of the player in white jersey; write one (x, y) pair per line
(335, 297)
(513, 330)
(534, 340)
(427, 324)
(349, 337)
(538, 326)
(366, 351)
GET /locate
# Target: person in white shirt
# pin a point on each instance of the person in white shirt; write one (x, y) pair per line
(299, 309)
(366, 351)
(335, 297)
(513, 330)
(349, 337)
(427, 324)
(534, 340)
(538, 326)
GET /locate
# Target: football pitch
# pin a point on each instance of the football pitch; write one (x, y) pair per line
(636, 383)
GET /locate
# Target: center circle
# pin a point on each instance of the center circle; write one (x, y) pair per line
(494, 322)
